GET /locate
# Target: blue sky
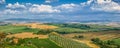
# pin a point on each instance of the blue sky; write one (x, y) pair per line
(43, 1)
(61, 10)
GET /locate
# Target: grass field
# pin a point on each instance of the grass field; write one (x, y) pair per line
(27, 35)
(60, 28)
(16, 29)
(34, 43)
(117, 41)
(69, 30)
(42, 43)
(80, 28)
(37, 25)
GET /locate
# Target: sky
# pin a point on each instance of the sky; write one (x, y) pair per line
(61, 10)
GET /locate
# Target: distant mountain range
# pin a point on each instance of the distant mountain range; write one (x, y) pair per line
(52, 20)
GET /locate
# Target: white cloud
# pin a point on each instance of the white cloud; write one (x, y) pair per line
(108, 7)
(9, 11)
(43, 9)
(50, 1)
(86, 3)
(102, 5)
(16, 8)
(16, 5)
(68, 7)
(2, 1)
(64, 8)
(28, 4)
(103, 1)
(47, 1)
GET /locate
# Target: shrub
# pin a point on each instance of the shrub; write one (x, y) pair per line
(78, 36)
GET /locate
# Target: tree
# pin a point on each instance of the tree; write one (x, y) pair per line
(97, 41)
(78, 36)
(2, 37)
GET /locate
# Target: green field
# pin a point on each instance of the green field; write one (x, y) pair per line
(33, 43)
(114, 43)
(117, 41)
(79, 28)
(63, 28)
(68, 30)
(16, 29)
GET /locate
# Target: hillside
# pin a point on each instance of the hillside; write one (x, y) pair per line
(49, 35)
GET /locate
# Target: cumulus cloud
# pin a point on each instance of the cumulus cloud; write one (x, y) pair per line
(86, 3)
(47, 1)
(16, 8)
(108, 7)
(94, 5)
(2, 1)
(102, 5)
(9, 11)
(16, 5)
(50, 1)
(68, 7)
(43, 9)
(28, 4)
